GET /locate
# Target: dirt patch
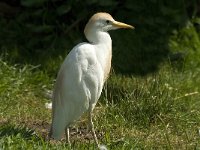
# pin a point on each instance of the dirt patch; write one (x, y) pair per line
(79, 133)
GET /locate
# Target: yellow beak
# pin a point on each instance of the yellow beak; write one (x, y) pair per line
(121, 25)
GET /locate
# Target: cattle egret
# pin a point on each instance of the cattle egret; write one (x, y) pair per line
(82, 75)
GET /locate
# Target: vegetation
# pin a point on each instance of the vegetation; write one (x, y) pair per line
(150, 101)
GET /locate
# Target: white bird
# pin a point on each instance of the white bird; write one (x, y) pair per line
(82, 75)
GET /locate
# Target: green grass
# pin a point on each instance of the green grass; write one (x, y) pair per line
(158, 111)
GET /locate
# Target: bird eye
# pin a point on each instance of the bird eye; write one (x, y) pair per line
(107, 21)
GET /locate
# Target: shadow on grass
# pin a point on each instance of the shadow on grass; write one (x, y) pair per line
(21, 131)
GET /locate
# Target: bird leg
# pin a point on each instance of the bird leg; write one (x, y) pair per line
(91, 127)
(67, 135)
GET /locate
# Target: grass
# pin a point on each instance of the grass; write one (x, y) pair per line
(158, 111)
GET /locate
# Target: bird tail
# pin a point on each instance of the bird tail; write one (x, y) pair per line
(58, 127)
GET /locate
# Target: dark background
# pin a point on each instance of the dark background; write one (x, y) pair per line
(42, 32)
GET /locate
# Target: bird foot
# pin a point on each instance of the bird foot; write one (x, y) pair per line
(102, 147)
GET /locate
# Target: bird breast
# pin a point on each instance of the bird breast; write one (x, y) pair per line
(104, 55)
(107, 66)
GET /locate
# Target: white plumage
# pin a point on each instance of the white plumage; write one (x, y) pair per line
(81, 77)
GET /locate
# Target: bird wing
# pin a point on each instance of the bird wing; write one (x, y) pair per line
(79, 83)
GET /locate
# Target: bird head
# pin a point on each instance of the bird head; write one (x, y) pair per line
(104, 22)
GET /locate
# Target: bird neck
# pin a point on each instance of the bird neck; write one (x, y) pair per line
(102, 43)
(99, 38)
